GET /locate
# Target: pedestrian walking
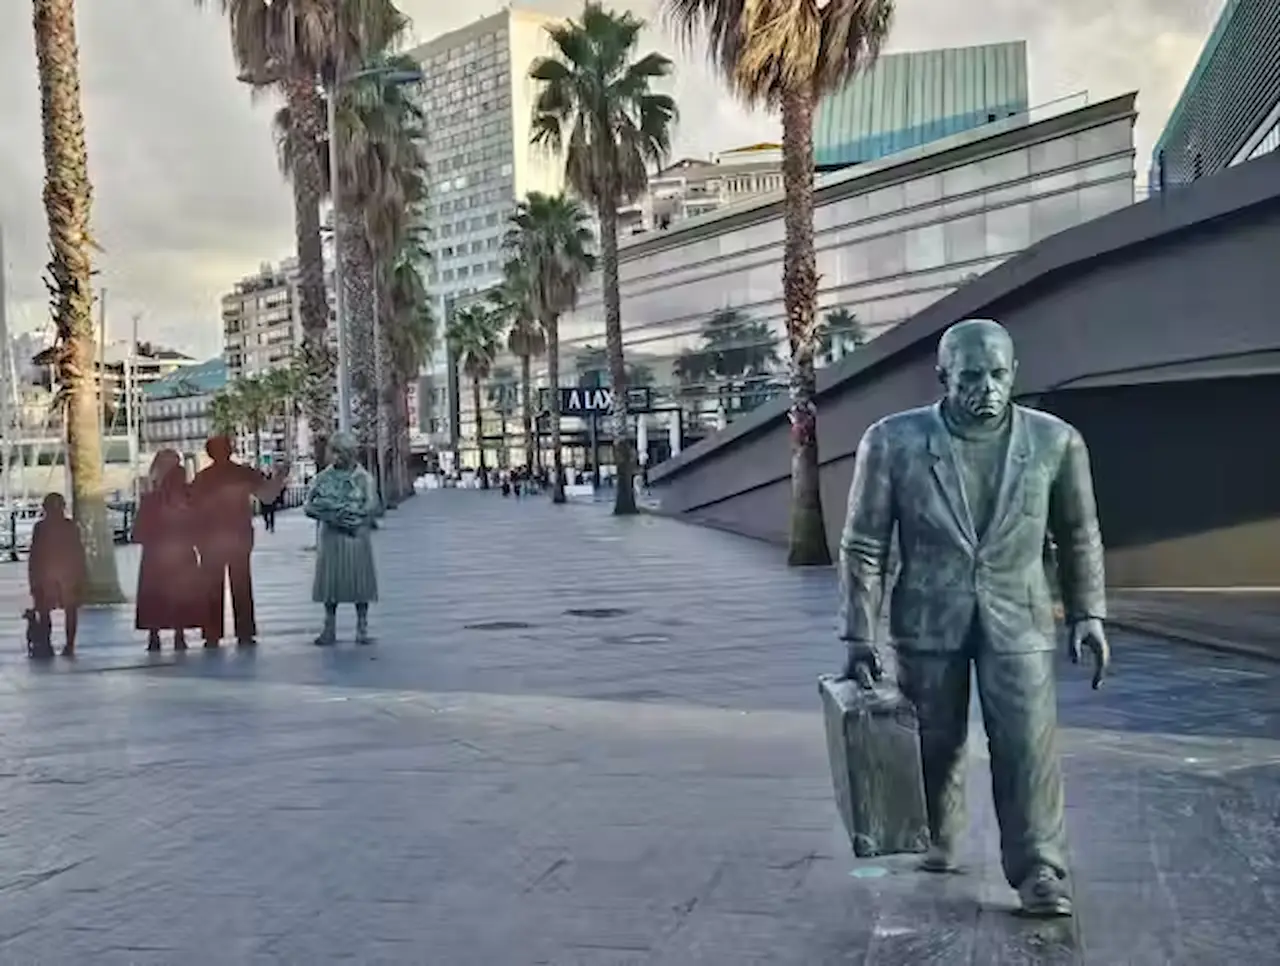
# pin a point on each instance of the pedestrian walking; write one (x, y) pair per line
(269, 508)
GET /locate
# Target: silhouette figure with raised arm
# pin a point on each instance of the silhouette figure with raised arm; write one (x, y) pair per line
(170, 595)
(222, 498)
(57, 570)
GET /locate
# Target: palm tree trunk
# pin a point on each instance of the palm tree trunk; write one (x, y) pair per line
(67, 200)
(526, 410)
(397, 467)
(287, 434)
(306, 114)
(358, 303)
(624, 497)
(808, 544)
(387, 437)
(405, 445)
(481, 469)
(551, 326)
(257, 441)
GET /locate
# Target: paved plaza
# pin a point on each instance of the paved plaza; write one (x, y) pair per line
(581, 741)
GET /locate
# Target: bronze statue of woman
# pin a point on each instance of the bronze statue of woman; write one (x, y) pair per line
(343, 498)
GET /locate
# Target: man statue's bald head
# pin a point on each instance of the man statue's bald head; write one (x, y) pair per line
(977, 366)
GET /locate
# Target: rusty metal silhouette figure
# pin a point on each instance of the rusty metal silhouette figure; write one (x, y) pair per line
(57, 570)
(221, 495)
(170, 593)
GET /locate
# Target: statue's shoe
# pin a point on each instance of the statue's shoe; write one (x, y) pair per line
(1044, 894)
(939, 860)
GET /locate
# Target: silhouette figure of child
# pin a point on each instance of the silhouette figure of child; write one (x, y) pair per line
(57, 570)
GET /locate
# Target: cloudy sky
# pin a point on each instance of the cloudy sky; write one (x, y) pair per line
(188, 197)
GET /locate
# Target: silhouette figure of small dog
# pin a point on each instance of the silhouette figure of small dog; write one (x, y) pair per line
(39, 635)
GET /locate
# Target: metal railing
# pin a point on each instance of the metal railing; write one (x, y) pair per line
(18, 524)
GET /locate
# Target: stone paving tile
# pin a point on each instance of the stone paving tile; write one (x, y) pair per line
(648, 787)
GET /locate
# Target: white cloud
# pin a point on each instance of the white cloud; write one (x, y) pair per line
(188, 197)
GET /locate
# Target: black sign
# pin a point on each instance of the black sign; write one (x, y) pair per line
(577, 401)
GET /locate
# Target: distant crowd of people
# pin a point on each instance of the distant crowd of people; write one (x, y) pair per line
(522, 481)
(197, 536)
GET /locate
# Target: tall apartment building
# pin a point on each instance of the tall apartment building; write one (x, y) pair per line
(480, 101)
(692, 187)
(260, 321)
(479, 97)
(262, 329)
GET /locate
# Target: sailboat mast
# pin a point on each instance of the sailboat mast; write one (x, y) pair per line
(6, 413)
(102, 373)
(131, 384)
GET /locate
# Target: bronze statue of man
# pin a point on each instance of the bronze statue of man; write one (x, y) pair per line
(971, 487)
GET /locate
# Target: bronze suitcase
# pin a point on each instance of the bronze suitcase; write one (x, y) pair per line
(873, 741)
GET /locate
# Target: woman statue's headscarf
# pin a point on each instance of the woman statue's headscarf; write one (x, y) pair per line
(161, 465)
(342, 447)
(173, 485)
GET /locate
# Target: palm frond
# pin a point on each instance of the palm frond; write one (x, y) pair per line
(595, 106)
(766, 48)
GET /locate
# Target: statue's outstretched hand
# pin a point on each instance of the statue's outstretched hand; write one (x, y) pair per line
(862, 664)
(1089, 634)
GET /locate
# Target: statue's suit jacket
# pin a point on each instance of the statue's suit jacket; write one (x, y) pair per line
(906, 481)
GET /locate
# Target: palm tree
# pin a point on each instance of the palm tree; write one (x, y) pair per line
(394, 188)
(787, 54)
(382, 168)
(67, 198)
(475, 339)
(226, 412)
(739, 345)
(254, 402)
(297, 46)
(839, 333)
(525, 340)
(504, 399)
(737, 353)
(283, 386)
(596, 108)
(409, 332)
(550, 237)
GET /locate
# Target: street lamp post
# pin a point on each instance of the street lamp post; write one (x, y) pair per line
(339, 302)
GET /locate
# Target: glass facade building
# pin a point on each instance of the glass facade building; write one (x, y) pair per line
(702, 304)
(909, 99)
(1229, 111)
